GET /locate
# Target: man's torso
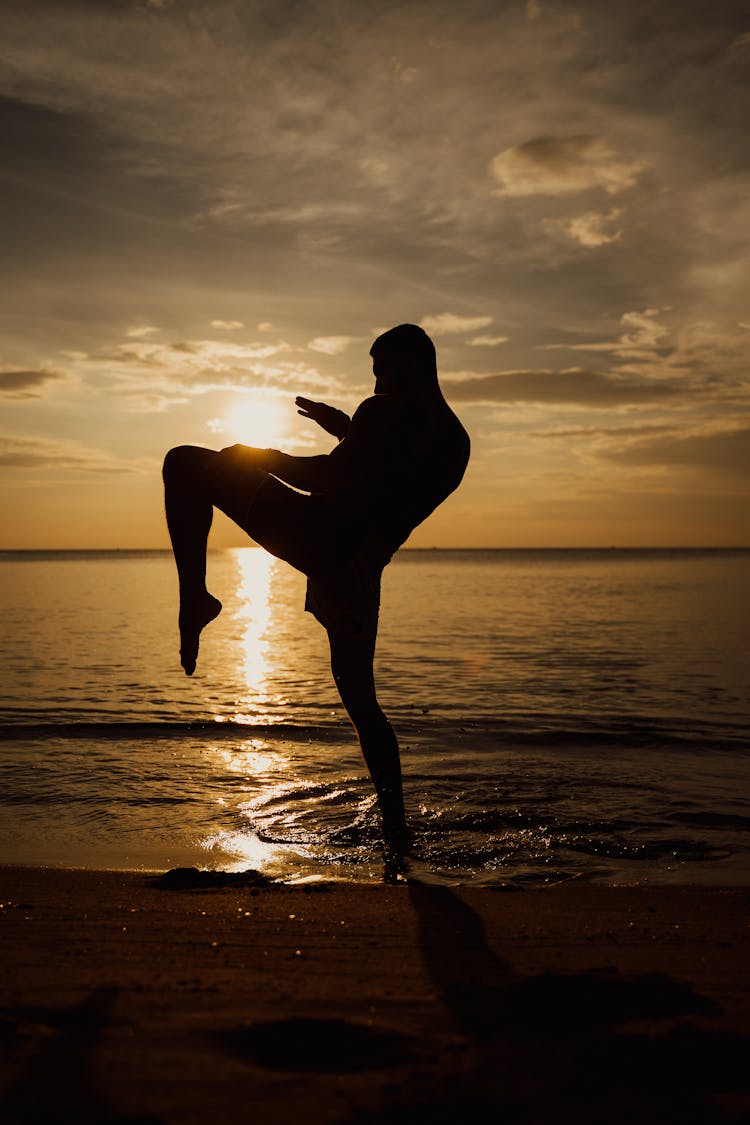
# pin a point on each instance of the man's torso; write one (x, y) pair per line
(403, 455)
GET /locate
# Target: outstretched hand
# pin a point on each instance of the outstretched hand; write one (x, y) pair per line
(333, 421)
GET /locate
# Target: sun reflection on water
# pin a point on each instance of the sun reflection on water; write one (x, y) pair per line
(259, 762)
(262, 805)
(252, 758)
(240, 850)
(262, 767)
(254, 594)
(254, 616)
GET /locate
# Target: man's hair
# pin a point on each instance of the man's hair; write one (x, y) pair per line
(412, 346)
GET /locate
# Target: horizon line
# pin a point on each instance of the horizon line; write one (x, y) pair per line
(435, 547)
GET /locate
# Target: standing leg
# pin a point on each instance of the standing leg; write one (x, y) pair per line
(352, 667)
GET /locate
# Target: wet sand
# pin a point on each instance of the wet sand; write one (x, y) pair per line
(129, 1000)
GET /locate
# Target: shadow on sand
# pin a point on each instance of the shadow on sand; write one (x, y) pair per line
(563, 1047)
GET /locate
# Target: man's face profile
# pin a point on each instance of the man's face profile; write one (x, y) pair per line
(385, 370)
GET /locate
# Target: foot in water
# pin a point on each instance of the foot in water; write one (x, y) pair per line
(193, 619)
(397, 843)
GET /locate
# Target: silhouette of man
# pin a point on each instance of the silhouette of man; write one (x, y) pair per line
(398, 457)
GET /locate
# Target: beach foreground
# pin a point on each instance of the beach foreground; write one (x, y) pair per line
(131, 999)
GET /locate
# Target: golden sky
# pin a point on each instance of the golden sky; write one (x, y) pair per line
(210, 206)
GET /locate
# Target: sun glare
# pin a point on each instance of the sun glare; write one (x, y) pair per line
(254, 591)
(254, 420)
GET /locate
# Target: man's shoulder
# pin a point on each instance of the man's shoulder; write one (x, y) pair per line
(428, 415)
(378, 410)
(376, 404)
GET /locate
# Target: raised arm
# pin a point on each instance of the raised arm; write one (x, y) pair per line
(353, 460)
(332, 420)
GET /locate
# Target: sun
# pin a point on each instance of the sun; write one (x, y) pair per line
(258, 420)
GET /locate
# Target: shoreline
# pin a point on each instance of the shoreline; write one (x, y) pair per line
(361, 1002)
(229, 870)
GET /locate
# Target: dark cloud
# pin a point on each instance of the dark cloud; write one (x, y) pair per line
(37, 136)
(27, 382)
(276, 123)
(57, 156)
(725, 451)
(575, 387)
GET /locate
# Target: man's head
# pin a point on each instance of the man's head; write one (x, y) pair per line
(403, 361)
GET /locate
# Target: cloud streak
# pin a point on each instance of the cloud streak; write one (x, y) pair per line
(330, 345)
(18, 452)
(572, 386)
(447, 324)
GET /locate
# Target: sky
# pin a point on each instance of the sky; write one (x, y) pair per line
(210, 206)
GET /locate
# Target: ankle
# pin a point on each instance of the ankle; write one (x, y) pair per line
(191, 591)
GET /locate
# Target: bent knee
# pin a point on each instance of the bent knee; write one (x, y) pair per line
(185, 459)
(174, 462)
(244, 457)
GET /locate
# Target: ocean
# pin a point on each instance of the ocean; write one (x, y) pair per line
(562, 714)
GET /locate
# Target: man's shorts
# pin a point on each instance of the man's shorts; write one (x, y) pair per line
(342, 560)
(346, 600)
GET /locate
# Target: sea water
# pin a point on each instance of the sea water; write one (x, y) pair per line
(561, 714)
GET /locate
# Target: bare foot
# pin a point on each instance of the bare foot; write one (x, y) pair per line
(194, 616)
(397, 842)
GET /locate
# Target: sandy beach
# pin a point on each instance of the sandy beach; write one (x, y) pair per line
(130, 998)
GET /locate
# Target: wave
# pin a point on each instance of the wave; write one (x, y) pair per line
(549, 732)
(168, 730)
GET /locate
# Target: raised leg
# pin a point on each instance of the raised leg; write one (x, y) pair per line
(189, 512)
(196, 481)
(352, 667)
